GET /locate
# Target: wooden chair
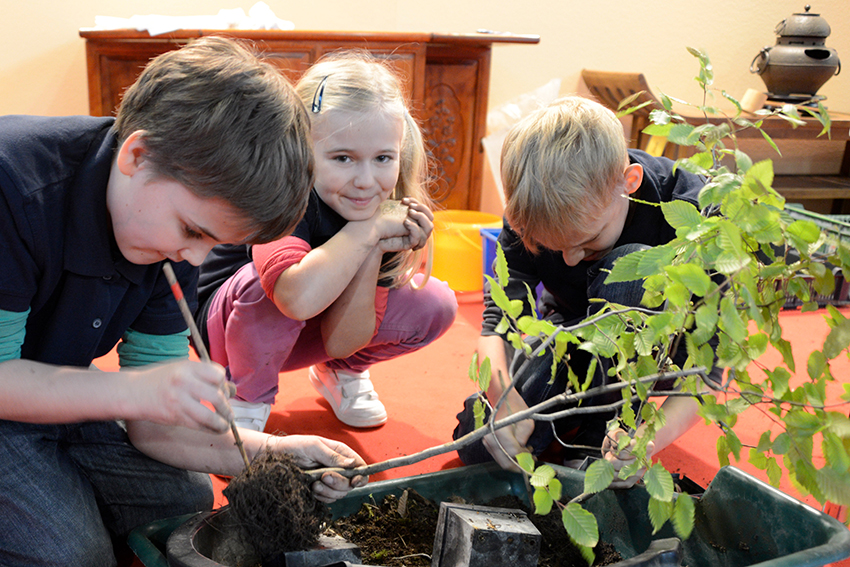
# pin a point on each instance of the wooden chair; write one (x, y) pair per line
(610, 88)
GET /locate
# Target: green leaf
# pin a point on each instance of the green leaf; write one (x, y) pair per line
(625, 268)
(580, 525)
(722, 451)
(497, 294)
(802, 422)
(730, 320)
(781, 444)
(731, 262)
(526, 462)
(598, 476)
(503, 326)
(542, 501)
(835, 485)
(542, 475)
(691, 276)
(804, 230)
(659, 512)
(484, 375)
(681, 214)
(655, 259)
(555, 489)
(683, 516)
(834, 451)
(479, 412)
(774, 473)
(472, 372)
(816, 365)
(659, 483)
(734, 444)
(662, 130)
(838, 340)
(759, 175)
(681, 134)
(501, 268)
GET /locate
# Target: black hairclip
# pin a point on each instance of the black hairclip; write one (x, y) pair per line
(317, 98)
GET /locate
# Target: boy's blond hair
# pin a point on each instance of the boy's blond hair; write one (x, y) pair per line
(560, 165)
(227, 126)
(356, 81)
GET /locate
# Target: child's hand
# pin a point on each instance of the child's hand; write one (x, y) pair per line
(508, 442)
(173, 394)
(420, 222)
(311, 451)
(623, 458)
(417, 226)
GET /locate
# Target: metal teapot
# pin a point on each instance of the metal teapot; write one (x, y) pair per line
(799, 64)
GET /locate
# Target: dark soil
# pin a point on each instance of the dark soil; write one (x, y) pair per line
(272, 507)
(400, 532)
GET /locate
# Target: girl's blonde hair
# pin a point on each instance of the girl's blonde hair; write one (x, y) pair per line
(561, 166)
(356, 81)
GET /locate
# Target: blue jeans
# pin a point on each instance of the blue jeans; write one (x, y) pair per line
(67, 490)
(533, 384)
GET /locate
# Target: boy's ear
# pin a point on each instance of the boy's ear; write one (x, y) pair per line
(633, 177)
(132, 153)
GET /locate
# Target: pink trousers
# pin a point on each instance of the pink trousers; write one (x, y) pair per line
(254, 341)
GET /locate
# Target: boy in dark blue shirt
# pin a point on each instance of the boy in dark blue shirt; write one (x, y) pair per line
(568, 180)
(210, 145)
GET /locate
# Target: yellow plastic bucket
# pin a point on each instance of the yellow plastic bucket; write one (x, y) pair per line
(458, 247)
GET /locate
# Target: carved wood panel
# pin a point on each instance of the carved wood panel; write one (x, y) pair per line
(448, 129)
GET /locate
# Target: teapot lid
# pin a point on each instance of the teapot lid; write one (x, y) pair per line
(803, 24)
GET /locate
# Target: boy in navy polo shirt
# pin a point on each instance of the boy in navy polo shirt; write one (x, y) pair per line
(576, 200)
(209, 146)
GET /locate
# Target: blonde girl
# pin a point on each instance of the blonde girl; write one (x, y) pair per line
(338, 294)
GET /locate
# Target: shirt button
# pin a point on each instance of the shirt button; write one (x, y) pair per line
(107, 278)
(96, 323)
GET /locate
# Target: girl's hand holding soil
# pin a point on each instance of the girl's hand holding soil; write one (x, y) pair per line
(310, 451)
(418, 224)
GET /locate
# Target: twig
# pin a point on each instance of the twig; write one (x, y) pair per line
(199, 346)
(530, 413)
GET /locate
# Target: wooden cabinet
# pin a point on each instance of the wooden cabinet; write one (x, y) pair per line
(447, 76)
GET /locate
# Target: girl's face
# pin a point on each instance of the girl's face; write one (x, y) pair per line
(357, 160)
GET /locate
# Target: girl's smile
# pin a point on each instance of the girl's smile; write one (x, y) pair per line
(357, 160)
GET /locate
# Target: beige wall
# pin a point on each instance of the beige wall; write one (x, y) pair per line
(43, 70)
(42, 60)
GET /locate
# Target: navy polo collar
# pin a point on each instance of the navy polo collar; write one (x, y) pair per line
(90, 247)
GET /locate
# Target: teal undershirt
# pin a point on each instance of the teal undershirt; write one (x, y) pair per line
(139, 349)
(12, 333)
(135, 348)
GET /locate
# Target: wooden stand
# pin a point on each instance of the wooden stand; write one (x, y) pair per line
(447, 76)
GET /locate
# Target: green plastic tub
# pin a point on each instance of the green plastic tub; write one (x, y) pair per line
(740, 520)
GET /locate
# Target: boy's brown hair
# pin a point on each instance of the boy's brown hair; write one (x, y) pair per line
(560, 165)
(227, 126)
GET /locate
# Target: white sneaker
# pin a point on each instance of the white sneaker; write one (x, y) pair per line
(251, 415)
(351, 395)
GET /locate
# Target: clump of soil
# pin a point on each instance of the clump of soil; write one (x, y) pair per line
(272, 506)
(400, 532)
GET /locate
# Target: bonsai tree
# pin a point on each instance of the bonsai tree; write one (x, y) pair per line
(736, 261)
